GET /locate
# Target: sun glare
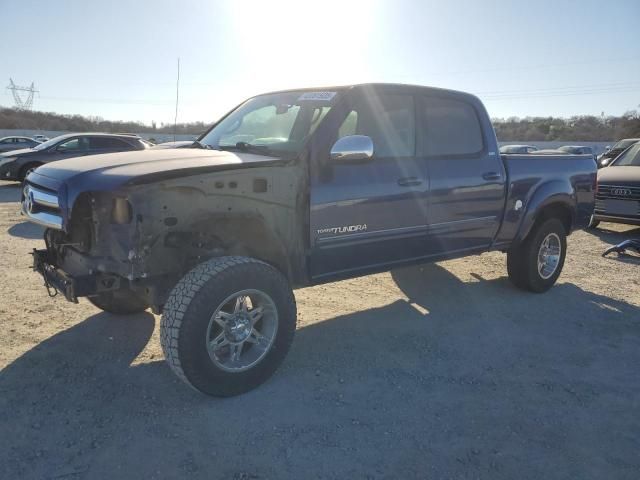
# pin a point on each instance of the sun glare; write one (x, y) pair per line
(292, 44)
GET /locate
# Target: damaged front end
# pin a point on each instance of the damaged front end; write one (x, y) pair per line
(144, 237)
(90, 252)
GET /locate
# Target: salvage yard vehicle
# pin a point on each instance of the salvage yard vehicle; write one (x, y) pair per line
(517, 149)
(576, 149)
(291, 189)
(8, 144)
(15, 165)
(618, 191)
(610, 155)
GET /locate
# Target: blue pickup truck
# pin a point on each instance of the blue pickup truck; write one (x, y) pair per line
(291, 189)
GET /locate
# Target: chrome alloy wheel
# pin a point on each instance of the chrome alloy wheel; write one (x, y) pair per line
(549, 255)
(242, 330)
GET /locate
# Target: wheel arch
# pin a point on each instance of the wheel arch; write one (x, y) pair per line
(555, 199)
(249, 235)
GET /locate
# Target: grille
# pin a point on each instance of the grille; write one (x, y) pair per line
(41, 206)
(617, 192)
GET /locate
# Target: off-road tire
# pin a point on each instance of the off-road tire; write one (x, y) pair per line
(24, 171)
(119, 302)
(192, 302)
(522, 260)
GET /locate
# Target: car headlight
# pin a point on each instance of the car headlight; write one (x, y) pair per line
(6, 160)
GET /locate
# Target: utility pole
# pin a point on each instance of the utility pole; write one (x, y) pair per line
(21, 104)
(175, 119)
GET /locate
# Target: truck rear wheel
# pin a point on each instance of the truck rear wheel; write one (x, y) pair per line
(118, 302)
(228, 324)
(536, 263)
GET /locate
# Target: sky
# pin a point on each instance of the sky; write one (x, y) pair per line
(118, 59)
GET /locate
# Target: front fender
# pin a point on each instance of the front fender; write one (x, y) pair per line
(556, 193)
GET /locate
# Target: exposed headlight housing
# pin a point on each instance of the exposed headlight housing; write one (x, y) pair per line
(121, 212)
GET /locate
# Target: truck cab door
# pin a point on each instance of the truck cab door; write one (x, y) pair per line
(364, 215)
(467, 175)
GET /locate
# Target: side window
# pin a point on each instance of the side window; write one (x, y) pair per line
(6, 141)
(389, 120)
(107, 143)
(74, 145)
(452, 127)
(349, 125)
(317, 116)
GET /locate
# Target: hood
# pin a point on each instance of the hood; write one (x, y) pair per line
(15, 153)
(114, 170)
(625, 176)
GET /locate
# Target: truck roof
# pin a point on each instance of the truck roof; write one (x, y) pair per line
(399, 86)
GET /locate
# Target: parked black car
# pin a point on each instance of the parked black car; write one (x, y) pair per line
(618, 192)
(8, 144)
(517, 149)
(16, 164)
(607, 157)
(576, 150)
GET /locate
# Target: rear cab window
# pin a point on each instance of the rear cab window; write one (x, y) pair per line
(451, 128)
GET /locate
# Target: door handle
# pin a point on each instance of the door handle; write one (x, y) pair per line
(491, 176)
(409, 181)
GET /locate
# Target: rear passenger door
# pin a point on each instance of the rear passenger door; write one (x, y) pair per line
(466, 173)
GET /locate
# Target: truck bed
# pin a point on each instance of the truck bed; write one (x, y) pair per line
(529, 180)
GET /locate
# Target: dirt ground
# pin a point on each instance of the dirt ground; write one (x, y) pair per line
(441, 371)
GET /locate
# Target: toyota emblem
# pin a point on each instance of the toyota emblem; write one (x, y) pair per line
(28, 201)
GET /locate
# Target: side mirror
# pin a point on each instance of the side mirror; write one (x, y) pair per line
(607, 148)
(353, 148)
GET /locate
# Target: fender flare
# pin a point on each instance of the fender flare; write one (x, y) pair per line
(554, 193)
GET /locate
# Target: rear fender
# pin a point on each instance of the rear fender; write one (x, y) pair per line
(556, 197)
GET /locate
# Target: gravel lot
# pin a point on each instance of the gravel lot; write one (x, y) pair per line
(441, 371)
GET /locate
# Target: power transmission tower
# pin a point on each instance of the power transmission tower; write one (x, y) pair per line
(22, 104)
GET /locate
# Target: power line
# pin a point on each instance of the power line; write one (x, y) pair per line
(568, 87)
(175, 119)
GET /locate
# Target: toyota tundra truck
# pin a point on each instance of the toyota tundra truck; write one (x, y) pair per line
(291, 189)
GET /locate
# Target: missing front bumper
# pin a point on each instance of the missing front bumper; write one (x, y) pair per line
(72, 287)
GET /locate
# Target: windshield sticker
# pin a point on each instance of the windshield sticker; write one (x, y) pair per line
(317, 96)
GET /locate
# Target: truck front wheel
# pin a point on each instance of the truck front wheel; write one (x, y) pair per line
(536, 263)
(118, 302)
(228, 324)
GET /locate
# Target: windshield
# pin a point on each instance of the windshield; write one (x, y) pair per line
(48, 143)
(629, 158)
(278, 123)
(622, 144)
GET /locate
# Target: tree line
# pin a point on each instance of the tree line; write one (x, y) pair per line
(11, 118)
(577, 128)
(585, 128)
